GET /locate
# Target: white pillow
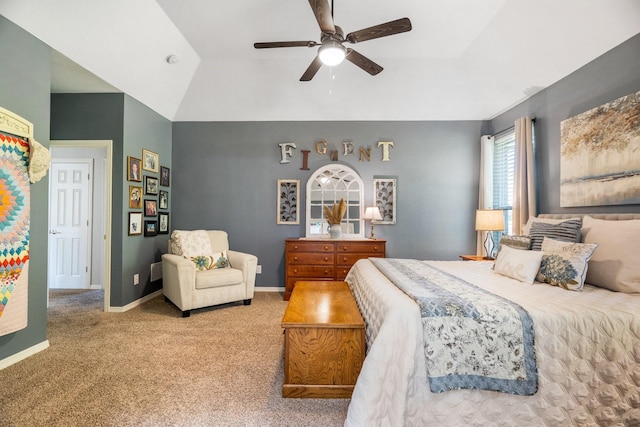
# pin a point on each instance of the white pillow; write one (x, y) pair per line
(518, 264)
(526, 229)
(190, 243)
(564, 264)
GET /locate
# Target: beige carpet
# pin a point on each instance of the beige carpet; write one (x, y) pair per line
(222, 366)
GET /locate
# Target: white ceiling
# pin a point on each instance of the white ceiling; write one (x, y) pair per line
(463, 60)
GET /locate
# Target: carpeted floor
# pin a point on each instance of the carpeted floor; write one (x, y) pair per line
(222, 366)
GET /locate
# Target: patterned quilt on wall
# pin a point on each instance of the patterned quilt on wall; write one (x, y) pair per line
(14, 232)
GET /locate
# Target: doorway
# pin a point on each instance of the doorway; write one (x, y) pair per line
(95, 271)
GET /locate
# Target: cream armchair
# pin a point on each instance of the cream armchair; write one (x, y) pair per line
(195, 272)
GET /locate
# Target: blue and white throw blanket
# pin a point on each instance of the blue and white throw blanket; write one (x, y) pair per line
(473, 339)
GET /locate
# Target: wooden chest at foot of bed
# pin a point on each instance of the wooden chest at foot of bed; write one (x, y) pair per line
(324, 341)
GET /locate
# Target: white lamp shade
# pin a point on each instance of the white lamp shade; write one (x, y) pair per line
(489, 220)
(373, 213)
(332, 53)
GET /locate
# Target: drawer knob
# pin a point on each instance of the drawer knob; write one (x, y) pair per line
(295, 258)
(326, 248)
(295, 270)
(326, 259)
(295, 247)
(344, 259)
(375, 248)
(326, 272)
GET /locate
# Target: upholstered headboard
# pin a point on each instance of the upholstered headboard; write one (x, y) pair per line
(609, 216)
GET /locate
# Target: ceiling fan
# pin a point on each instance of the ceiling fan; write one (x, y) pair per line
(332, 51)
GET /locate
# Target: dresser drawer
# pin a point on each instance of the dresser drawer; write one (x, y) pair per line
(349, 247)
(350, 259)
(312, 258)
(310, 247)
(311, 271)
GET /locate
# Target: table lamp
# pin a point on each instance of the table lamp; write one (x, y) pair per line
(489, 220)
(372, 213)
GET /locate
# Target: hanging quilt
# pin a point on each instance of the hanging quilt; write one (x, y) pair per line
(14, 232)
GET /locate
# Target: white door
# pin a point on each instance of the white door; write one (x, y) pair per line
(69, 223)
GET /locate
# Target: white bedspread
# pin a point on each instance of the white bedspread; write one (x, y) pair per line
(587, 348)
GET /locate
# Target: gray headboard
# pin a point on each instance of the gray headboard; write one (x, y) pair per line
(609, 216)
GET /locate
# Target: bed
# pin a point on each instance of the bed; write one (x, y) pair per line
(587, 344)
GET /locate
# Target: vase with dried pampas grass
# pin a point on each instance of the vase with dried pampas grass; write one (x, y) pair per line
(334, 217)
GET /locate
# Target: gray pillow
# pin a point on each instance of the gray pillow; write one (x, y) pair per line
(566, 231)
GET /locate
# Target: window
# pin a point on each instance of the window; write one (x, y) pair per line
(504, 156)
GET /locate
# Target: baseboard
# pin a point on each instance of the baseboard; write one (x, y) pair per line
(135, 303)
(5, 363)
(268, 289)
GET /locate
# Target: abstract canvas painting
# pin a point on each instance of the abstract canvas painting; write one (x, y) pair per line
(600, 155)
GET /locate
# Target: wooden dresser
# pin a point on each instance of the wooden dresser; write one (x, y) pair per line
(325, 259)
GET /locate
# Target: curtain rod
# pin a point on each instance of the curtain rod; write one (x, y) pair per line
(533, 120)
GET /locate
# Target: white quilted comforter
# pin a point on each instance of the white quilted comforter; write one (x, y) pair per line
(587, 349)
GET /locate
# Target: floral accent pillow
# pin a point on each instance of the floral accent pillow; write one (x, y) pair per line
(210, 262)
(564, 264)
(518, 264)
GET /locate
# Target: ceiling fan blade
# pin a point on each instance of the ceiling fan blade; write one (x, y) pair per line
(267, 45)
(363, 62)
(382, 30)
(322, 11)
(312, 70)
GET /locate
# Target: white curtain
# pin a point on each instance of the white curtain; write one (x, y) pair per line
(524, 191)
(485, 190)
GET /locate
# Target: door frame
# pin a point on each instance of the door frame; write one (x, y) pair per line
(108, 145)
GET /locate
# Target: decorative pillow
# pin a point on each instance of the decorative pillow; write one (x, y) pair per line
(615, 264)
(565, 264)
(517, 242)
(190, 243)
(518, 264)
(210, 262)
(526, 229)
(566, 231)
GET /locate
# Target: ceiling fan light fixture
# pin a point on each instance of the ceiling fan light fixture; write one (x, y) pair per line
(332, 53)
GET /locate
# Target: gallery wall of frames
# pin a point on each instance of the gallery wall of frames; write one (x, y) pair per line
(148, 195)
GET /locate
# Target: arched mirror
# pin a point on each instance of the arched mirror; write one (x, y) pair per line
(327, 186)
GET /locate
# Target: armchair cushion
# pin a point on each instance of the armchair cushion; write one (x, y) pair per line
(218, 277)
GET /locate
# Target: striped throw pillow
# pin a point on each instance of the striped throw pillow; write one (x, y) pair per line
(566, 231)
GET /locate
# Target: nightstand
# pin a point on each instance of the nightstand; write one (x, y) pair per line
(475, 258)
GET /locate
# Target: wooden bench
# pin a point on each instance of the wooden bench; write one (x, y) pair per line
(324, 341)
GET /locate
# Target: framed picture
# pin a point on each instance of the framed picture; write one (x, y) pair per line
(135, 197)
(150, 161)
(163, 223)
(164, 200)
(150, 228)
(135, 223)
(150, 185)
(288, 196)
(164, 176)
(134, 173)
(150, 208)
(384, 193)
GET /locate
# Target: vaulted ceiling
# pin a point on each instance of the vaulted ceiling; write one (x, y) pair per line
(463, 59)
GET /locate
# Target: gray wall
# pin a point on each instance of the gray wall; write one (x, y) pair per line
(225, 174)
(25, 79)
(131, 126)
(614, 74)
